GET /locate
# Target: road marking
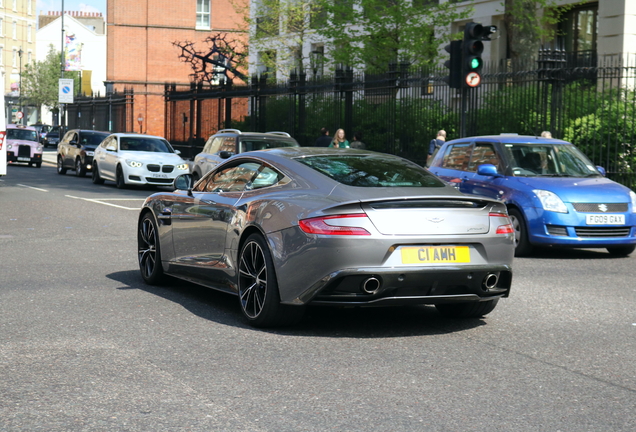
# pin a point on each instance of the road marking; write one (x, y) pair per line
(101, 201)
(31, 187)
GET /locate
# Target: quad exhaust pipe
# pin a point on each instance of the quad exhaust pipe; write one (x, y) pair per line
(371, 285)
(490, 281)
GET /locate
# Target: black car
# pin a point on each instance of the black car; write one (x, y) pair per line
(52, 137)
(75, 151)
(42, 130)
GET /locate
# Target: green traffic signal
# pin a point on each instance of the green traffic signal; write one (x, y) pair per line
(475, 63)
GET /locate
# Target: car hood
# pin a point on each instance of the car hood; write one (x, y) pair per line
(580, 190)
(22, 142)
(152, 157)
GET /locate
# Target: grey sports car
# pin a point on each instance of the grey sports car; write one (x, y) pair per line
(288, 227)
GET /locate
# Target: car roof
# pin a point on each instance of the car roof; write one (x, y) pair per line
(512, 139)
(273, 134)
(131, 134)
(19, 126)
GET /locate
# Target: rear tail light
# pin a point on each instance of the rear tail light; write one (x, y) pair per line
(334, 225)
(505, 228)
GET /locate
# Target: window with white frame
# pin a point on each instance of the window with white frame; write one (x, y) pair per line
(203, 14)
(1, 26)
(1, 56)
(14, 58)
(15, 30)
(29, 57)
(29, 7)
(29, 28)
(15, 5)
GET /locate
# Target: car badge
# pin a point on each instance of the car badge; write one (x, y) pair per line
(602, 207)
(436, 220)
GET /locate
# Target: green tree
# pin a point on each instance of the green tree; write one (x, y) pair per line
(374, 33)
(279, 30)
(40, 80)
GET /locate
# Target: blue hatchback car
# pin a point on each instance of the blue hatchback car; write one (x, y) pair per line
(554, 194)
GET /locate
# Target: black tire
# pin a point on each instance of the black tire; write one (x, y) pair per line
(60, 166)
(258, 287)
(119, 178)
(80, 169)
(38, 164)
(522, 244)
(621, 251)
(467, 309)
(149, 251)
(96, 177)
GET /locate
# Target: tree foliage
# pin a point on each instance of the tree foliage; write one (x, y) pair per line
(40, 80)
(373, 33)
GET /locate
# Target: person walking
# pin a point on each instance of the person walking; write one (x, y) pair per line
(435, 144)
(339, 140)
(324, 139)
(356, 142)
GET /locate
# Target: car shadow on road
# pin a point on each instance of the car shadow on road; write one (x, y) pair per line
(376, 322)
(553, 253)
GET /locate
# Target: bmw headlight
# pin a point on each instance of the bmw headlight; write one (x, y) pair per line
(632, 195)
(183, 166)
(550, 201)
(134, 164)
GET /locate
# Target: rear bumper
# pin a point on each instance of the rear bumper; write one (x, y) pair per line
(392, 287)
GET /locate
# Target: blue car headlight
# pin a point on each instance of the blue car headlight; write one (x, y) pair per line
(550, 201)
(134, 164)
(632, 195)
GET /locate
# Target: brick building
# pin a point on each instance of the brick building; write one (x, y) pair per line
(141, 54)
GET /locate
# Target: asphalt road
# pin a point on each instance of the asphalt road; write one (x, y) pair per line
(85, 345)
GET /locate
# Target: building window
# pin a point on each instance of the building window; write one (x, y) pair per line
(203, 14)
(15, 5)
(1, 26)
(580, 29)
(15, 30)
(29, 28)
(14, 58)
(1, 51)
(29, 57)
(29, 7)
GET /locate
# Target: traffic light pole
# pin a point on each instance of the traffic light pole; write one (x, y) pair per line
(462, 120)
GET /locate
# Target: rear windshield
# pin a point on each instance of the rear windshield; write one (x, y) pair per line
(22, 134)
(371, 171)
(250, 144)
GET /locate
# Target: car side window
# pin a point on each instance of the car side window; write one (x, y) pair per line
(111, 144)
(229, 179)
(215, 146)
(266, 177)
(483, 153)
(229, 144)
(457, 157)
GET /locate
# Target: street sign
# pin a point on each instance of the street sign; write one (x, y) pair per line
(19, 115)
(65, 95)
(473, 79)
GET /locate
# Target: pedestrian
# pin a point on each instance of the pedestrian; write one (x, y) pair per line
(546, 134)
(435, 144)
(339, 140)
(324, 139)
(356, 142)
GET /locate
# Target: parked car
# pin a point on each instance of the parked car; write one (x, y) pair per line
(42, 130)
(23, 145)
(228, 142)
(136, 159)
(555, 196)
(52, 137)
(75, 151)
(287, 227)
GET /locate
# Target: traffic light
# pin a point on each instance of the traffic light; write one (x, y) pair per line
(454, 78)
(472, 48)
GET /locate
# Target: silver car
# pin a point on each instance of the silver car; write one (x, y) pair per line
(289, 227)
(228, 142)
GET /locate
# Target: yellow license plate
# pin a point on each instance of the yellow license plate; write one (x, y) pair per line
(435, 255)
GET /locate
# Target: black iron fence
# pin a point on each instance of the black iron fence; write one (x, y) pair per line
(114, 112)
(586, 100)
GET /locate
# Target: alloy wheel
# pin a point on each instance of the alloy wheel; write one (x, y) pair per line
(147, 248)
(252, 279)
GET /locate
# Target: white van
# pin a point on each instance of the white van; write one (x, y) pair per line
(3, 133)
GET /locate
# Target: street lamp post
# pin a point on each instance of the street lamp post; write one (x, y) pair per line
(20, 89)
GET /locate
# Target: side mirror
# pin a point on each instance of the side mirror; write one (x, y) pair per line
(601, 170)
(177, 152)
(183, 182)
(225, 154)
(487, 170)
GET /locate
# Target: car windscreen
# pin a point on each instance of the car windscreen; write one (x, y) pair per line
(251, 144)
(549, 160)
(144, 144)
(371, 171)
(22, 134)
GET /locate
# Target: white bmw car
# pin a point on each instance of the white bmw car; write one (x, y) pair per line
(135, 159)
